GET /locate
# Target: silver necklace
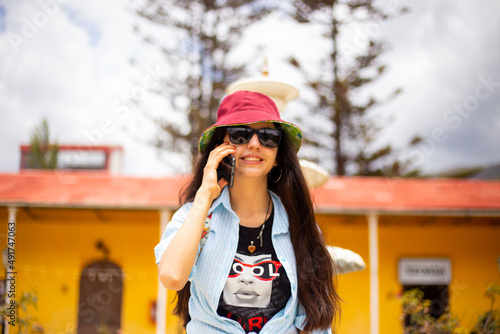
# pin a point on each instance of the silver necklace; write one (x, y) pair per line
(252, 247)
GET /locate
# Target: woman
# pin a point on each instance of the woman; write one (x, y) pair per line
(261, 265)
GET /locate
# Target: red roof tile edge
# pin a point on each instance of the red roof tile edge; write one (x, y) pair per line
(349, 194)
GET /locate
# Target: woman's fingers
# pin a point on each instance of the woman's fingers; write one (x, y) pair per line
(210, 182)
(219, 153)
(222, 183)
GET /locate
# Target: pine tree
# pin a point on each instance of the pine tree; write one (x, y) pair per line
(205, 33)
(345, 73)
(43, 153)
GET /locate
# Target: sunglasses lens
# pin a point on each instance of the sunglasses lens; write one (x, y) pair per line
(239, 135)
(269, 137)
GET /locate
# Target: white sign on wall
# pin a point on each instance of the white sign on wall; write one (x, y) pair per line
(424, 271)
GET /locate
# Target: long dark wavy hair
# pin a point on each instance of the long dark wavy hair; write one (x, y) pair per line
(315, 267)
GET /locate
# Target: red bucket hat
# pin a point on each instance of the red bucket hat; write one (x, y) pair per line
(245, 107)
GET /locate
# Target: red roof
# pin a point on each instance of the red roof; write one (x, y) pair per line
(339, 194)
(105, 148)
(88, 189)
(411, 195)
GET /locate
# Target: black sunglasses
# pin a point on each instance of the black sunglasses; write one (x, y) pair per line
(242, 135)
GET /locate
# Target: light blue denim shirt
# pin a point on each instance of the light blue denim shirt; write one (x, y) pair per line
(213, 264)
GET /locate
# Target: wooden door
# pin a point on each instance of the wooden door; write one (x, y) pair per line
(100, 302)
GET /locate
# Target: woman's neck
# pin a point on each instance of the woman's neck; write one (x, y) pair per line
(250, 201)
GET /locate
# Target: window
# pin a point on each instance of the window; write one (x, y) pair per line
(437, 294)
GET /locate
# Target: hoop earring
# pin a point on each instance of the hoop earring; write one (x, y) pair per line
(279, 178)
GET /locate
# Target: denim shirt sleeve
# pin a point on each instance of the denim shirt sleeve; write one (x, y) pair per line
(170, 232)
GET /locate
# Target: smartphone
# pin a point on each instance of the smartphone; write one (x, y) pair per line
(226, 169)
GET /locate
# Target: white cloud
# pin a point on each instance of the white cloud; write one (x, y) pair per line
(72, 72)
(76, 68)
(439, 50)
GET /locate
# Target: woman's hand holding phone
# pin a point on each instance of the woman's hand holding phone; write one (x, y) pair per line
(178, 259)
(211, 185)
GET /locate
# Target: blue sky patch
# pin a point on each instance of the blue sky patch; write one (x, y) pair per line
(90, 28)
(2, 19)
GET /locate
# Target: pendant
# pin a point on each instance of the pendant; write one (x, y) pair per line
(251, 248)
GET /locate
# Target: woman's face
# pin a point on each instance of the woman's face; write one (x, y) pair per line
(254, 160)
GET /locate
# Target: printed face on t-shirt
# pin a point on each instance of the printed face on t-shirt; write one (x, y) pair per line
(250, 281)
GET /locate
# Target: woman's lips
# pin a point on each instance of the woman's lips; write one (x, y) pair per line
(251, 159)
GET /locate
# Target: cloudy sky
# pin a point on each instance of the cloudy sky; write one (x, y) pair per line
(70, 62)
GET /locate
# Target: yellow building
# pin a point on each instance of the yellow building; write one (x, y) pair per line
(442, 236)
(84, 243)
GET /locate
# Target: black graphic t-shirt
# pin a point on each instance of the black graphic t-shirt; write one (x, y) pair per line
(257, 286)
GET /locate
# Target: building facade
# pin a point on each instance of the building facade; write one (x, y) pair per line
(84, 243)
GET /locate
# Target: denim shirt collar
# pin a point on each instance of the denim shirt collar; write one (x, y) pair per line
(280, 224)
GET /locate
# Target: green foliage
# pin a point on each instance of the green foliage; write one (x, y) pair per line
(417, 309)
(343, 77)
(24, 322)
(489, 321)
(43, 153)
(202, 35)
(103, 329)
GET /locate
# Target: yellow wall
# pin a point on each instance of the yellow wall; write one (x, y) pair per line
(351, 233)
(54, 246)
(473, 245)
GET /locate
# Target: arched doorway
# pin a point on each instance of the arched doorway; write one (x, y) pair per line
(100, 302)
